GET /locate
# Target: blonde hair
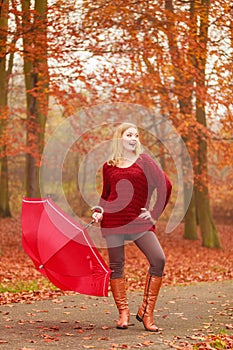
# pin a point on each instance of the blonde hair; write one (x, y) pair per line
(117, 148)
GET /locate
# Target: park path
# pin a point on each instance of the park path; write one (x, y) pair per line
(183, 314)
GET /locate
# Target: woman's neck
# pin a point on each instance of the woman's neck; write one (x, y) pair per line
(129, 156)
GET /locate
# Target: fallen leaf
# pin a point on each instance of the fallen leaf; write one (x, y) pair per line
(83, 307)
(58, 301)
(103, 338)
(229, 326)
(147, 343)
(41, 311)
(104, 328)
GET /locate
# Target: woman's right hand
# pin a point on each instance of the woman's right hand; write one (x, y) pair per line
(97, 216)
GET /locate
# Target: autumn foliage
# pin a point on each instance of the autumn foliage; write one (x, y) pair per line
(171, 57)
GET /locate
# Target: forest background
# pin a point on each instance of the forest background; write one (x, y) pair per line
(173, 58)
(168, 60)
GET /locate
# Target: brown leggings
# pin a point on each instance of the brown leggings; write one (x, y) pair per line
(147, 242)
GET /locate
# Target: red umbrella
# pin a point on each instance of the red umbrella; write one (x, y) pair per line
(61, 249)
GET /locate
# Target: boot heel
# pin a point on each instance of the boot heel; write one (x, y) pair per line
(139, 318)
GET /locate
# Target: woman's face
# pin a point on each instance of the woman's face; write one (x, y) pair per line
(130, 138)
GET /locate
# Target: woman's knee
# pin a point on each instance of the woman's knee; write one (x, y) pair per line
(158, 266)
(117, 268)
(162, 262)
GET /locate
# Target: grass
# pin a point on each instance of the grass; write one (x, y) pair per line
(26, 286)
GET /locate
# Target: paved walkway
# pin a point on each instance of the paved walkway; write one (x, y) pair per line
(183, 314)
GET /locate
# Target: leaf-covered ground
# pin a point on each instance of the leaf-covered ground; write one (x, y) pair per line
(187, 262)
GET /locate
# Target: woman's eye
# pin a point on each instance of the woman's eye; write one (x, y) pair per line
(131, 135)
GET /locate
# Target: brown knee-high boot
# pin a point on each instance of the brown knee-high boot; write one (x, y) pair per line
(151, 291)
(119, 295)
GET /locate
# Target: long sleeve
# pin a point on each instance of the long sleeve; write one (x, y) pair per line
(158, 180)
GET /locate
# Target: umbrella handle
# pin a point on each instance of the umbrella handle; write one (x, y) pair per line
(94, 208)
(99, 208)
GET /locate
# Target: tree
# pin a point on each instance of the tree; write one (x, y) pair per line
(210, 237)
(4, 188)
(197, 56)
(36, 80)
(183, 76)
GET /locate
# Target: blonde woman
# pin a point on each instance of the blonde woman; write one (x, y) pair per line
(129, 179)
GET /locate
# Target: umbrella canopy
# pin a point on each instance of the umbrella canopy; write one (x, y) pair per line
(61, 249)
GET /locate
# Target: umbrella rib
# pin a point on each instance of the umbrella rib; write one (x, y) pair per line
(34, 201)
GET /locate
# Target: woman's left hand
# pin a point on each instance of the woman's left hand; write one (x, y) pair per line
(146, 215)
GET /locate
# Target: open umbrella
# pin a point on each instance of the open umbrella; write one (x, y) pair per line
(61, 249)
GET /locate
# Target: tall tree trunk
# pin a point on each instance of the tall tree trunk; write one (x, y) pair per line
(182, 80)
(36, 81)
(190, 228)
(4, 186)
(210, 237)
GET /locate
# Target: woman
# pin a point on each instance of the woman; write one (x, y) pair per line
(129, 179)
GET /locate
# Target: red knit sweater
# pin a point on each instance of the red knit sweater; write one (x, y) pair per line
(127, 190)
